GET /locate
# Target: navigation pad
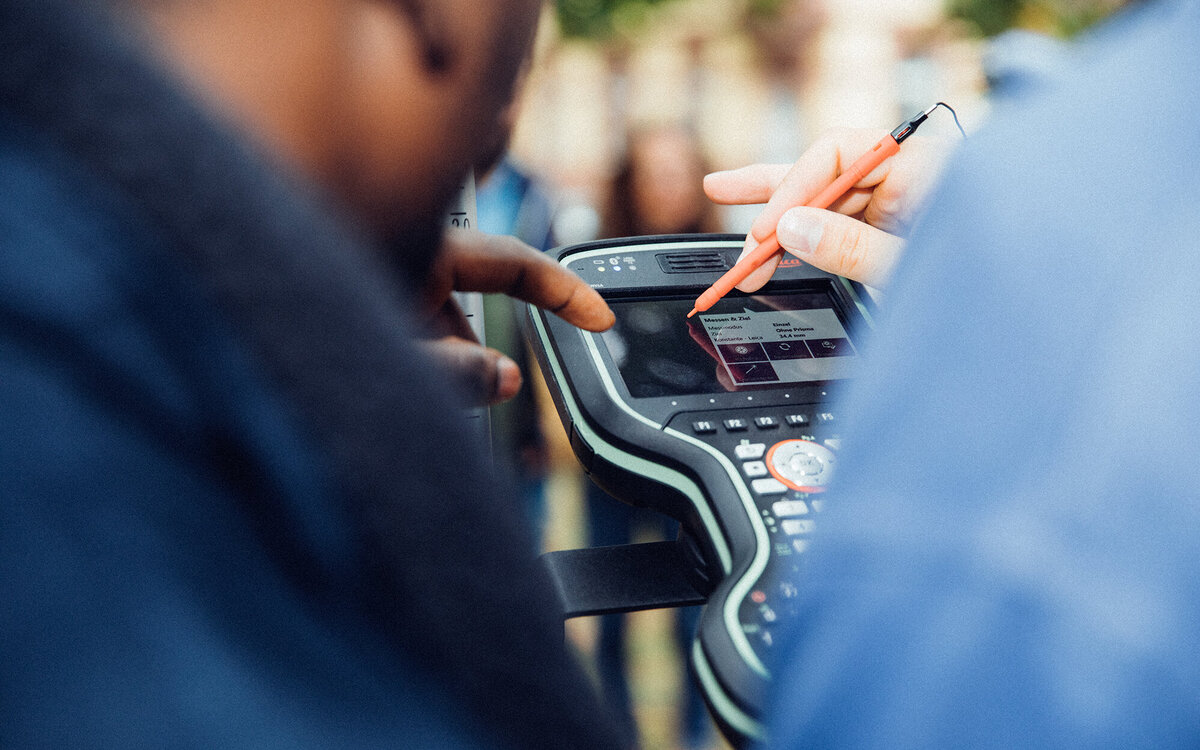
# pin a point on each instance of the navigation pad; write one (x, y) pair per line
(801, 465)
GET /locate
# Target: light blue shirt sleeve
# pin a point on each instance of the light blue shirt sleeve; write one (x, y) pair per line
(1010, 555)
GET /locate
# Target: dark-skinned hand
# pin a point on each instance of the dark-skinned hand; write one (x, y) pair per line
(475, 262)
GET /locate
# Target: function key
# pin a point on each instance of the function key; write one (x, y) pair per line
(796, 420)
(704, 428)
(787, 508)
(793, 527)
(755, 469)
(736, 425)
(826, 418)
(766, 423)
(748, 451)
(768, 486)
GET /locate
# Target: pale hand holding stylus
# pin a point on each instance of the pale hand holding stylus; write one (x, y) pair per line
(769, 247)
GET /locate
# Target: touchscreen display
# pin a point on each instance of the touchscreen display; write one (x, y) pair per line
(741, 343)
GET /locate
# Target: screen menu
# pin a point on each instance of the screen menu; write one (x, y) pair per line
(741, 343)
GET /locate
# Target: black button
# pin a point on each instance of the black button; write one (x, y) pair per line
(797, 420)
(736, 425)
(766, 423)
(703, 428)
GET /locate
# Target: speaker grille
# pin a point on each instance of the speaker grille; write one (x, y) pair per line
(695, 262)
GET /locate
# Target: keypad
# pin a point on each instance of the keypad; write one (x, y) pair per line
(805, 442)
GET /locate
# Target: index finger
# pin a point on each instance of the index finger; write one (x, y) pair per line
(746, 185)
(497, 264)
(818, 166)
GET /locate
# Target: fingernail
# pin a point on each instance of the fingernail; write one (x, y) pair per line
(799, 233)
(508, 378)
(749, 245)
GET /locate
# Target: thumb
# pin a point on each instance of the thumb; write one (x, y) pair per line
(484, 375)
(839, 244)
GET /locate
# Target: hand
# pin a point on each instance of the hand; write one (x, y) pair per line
(861, 235)
(474, 262)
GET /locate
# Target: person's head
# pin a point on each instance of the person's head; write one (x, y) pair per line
(384, 103)
(658, 186)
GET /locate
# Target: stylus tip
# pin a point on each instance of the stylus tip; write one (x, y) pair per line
(693, 312)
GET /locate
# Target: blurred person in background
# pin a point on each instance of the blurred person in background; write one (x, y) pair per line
(657, 189)
(238, 507)
(1011, 557)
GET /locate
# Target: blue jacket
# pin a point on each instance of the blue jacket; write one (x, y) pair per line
(1010, 556)
(237, 507)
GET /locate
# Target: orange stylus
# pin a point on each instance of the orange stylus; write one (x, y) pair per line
(887, 146)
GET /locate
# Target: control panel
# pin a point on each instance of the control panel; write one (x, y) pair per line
(723, 421)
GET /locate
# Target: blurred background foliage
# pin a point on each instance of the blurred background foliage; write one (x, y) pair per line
(604, 19)
(1058, 17)
(601, 19)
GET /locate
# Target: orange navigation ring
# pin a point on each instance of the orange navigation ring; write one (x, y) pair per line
(801, 465)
